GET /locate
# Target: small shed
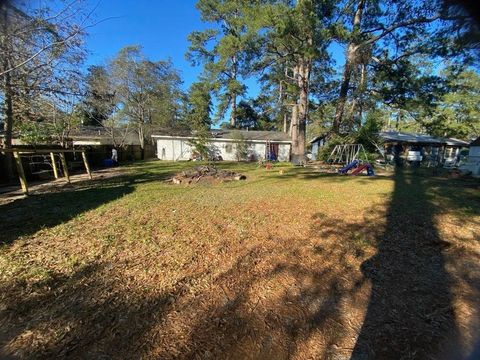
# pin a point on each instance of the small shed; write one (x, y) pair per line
(270, 145)
(317, 142)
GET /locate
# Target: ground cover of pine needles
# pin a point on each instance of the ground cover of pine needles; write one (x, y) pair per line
(287, 264)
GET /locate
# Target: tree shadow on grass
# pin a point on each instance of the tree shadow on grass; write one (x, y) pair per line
(404, 289)
(279, 299)
(410, 312)
(88, 314)
(27, 215)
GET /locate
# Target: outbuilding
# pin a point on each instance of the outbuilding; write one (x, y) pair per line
(472, 163)
(317, 142)
(422, 147)
(267, 145)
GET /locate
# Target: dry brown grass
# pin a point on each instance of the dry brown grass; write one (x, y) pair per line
(295, 265)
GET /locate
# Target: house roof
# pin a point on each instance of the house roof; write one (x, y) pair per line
(98, 135)
(397, 136)
(475, 142)
(455, 142)
(318, 138)
(253, 135)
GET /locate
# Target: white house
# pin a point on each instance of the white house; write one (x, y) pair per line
(472, 163)
(270, 145)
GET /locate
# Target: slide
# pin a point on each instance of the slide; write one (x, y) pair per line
(366, 166)
(359, 169)
(348, 167)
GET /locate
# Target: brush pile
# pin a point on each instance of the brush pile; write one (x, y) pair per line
(206, 173)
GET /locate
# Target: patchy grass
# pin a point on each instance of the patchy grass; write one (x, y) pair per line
(293, 265)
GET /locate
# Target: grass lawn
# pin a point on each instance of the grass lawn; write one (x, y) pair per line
(295, 265)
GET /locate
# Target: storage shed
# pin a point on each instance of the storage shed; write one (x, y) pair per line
(317, 142)
(270, 145)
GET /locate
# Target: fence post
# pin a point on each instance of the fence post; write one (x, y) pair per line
(64, 166)
(21, 174)
(87, 167)
(54, 165)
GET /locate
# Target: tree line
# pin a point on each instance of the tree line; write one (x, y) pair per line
(404, 65)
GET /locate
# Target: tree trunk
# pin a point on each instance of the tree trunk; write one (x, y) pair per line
(293, 120)
(356, 107)
(302, 74)
(361, 88)
(347, 70)
(399, 120)
(141, 139)
(233, 104)
(233, 110)
(281, 102)
(8, 126)
(8, 91)
(342, 96)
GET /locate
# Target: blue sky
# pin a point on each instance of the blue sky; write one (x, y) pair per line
(160, 26)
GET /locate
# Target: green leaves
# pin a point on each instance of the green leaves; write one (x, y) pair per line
(457, 114)
(225, 50)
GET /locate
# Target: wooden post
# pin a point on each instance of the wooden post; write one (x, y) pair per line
(64, 166)
(87, 167)
(21, 174)
(54, 165)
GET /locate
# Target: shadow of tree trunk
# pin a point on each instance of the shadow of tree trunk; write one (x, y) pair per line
(410, 312)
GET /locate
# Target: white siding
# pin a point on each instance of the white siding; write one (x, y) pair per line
(284, 152)
(473, 161)
(173, 149)
(179, 149)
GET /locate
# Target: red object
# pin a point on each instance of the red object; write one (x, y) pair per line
(268, 166)
(359, 169)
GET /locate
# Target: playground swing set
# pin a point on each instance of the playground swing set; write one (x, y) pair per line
(44, 161)
(353, 157)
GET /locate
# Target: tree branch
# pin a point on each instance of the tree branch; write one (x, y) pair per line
(401, 24)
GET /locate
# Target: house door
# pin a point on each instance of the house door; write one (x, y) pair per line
(272, 152)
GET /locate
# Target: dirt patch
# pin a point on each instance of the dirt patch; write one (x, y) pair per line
(207, 174)
(77, 181)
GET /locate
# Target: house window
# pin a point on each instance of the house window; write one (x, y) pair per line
(228, 148)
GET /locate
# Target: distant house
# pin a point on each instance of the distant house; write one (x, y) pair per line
(270, 145)
(422, 147)
(472, 164)
(98, 141)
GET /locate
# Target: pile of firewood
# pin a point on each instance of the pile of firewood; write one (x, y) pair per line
(205, 173)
